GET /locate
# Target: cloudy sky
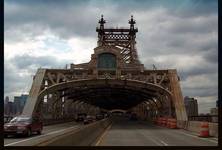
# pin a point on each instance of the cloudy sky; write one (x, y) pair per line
(172, 34)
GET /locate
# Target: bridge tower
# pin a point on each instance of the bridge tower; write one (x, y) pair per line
(124, 38)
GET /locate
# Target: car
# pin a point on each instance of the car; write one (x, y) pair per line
(23, 125)
(81, 117)
(133, 117)
(7, 119)
(89, 119)
(99, 116)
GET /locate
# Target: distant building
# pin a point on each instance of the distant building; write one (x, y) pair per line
(214, 114)
(19, 102)
(6, 104)
(191, 106)
(9, 109)
(214, 111)
(218, 103)
(6, 100)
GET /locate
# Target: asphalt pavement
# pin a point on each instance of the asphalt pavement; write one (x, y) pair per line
(125, 132)
(48, 131)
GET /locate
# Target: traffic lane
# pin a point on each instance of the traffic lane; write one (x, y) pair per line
(125, 133)
(176, 137)
(46, 130)
(138, 133)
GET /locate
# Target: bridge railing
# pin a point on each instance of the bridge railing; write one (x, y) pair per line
(208, 118)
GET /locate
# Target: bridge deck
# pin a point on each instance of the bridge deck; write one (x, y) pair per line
(124, 132)
(48, 132)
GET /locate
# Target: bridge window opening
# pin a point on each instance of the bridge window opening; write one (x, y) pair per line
(63, 98)
(106, 61)
(46, 84)
(45, 99)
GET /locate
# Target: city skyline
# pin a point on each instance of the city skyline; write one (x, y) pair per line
(180, 35)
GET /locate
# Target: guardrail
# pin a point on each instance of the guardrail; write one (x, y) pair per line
(208, 118)
(194, 126)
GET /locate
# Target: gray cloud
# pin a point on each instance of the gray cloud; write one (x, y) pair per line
(15, 83)
(27, 61)
(175, 29)
(77, 17)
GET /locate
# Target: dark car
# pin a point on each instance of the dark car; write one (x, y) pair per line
(81, 117)
(89, 119)
(99, 116)
(23, 125)
(133, 116)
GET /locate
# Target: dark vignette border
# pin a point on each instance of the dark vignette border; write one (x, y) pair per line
(2, 69)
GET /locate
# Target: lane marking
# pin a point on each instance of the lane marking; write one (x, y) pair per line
(151, 139)
(214, 141)
(156, 142)
(165, 144)
(36, 137)
(104, 133)
(198, 137)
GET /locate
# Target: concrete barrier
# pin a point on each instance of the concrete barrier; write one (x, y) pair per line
(47, 122)
(84, 136)
(195, 126)
(213, 129)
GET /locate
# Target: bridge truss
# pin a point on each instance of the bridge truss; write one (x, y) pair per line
(62, 93)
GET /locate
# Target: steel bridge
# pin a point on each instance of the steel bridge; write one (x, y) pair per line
(114, 78)
(115, 82)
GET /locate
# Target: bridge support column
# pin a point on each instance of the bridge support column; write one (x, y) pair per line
(177, 99)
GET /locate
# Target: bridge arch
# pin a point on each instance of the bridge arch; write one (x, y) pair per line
(107, 94)
(117, 110)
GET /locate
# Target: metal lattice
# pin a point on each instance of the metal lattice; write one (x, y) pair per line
(123, 38)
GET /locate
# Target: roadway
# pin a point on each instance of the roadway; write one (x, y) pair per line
(48, 132)
(125, 132)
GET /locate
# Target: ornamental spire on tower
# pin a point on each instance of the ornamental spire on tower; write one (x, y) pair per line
(102, 22)
(132, 22)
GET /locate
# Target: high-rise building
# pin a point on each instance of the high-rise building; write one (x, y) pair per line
(214, 113)
(218, 103)
(191, 106)
(6, 100)
(9, 109)
(19, 102)
(6, 104)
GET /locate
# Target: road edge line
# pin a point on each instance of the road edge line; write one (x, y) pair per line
(102, 136)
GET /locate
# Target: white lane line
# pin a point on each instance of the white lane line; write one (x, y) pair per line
(199, 137)
(36, 137)
(156, 142)
(103, 135)
(165, 144)
(149, 138)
